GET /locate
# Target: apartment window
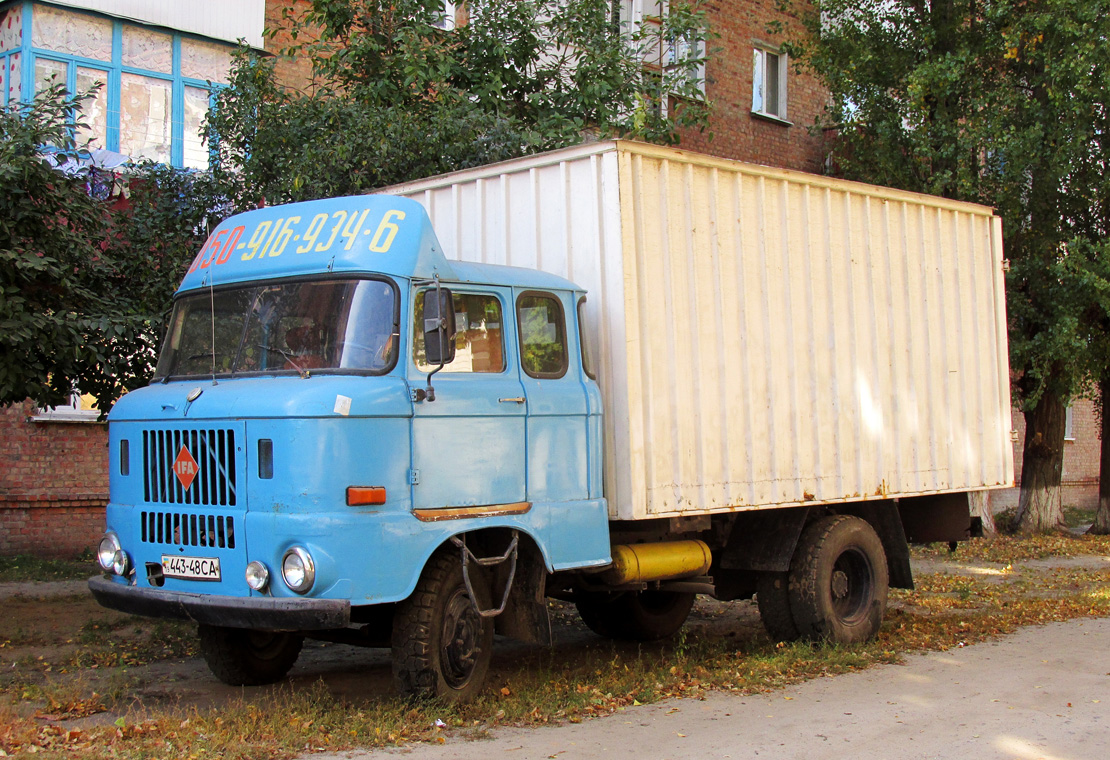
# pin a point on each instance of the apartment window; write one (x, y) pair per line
(769, 84)
(81, 408)
(665, 57)
(446, 19)
(1069, 423)
(680, 52)
(155, 86)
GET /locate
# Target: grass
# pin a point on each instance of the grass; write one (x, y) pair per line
(22, 568)
(565, 684)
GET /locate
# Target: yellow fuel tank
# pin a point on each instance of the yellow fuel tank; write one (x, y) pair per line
(657, 562)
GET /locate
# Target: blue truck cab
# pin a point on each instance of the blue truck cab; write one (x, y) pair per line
(349, 436)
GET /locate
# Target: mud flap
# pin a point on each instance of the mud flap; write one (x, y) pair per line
(941, 517)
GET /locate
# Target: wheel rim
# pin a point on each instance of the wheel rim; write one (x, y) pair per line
(851, 586)
(461, 640)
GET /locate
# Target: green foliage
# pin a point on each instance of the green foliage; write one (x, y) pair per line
(85, 285)
(397, 98)
(57, 324)
(998, 103)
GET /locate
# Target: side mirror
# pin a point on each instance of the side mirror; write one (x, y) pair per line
(439, 326)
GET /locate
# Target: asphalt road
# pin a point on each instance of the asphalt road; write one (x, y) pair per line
(1042, 693)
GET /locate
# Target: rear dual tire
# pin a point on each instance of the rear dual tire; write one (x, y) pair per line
(836, 589)
(634, 615)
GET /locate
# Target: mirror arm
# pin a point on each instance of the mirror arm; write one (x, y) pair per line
(441, 331)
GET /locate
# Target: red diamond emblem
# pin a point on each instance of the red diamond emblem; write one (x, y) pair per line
(185, 468)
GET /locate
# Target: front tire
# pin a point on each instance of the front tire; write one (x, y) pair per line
(634, 615)
(442, 647)
(242, 657)
(838, 581)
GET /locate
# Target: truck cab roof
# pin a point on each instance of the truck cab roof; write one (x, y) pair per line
(362, 234)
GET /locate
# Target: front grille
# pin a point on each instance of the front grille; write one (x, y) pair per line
(182, 529)
(214, 453)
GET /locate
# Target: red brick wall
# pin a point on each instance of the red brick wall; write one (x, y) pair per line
(292, 72)
(53, 483)
(742, 26)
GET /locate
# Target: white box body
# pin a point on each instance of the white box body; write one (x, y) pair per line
(765, 338)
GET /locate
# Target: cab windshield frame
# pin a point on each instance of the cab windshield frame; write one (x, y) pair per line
(322, 324)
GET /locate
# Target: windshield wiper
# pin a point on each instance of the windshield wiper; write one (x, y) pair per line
(289, 357)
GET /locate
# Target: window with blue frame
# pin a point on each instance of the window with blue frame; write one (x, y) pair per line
(155, 84)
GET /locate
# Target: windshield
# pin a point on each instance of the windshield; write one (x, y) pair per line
(292, 326)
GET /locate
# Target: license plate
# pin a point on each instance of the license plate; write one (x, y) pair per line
(191, 568)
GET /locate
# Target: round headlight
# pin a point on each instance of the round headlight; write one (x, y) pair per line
(258, 575)
(106, 552)
(297, 569)
(120, 563)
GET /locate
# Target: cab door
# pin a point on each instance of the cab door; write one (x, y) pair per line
(468, 446)
(557, 404)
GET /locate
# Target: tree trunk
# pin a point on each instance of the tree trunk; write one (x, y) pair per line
(981, 508)
(1040, 509)
(1101, 524)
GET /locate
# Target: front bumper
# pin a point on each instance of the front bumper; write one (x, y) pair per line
(257, 613)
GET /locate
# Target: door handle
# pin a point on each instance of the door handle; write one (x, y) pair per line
(517, 399)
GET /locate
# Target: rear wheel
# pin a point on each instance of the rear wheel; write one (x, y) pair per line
(838, 581)
(634, 615)
(441, 646)
(242, 657)
(773, 597)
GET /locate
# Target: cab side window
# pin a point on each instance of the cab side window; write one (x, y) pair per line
(543, 335)
(478, 338)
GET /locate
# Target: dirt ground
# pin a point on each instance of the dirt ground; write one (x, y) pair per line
(45, 625)
(51, 632)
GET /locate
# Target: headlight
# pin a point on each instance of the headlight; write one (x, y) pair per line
(106, 552)
(258, 575)
(120, 562)
(297, 569)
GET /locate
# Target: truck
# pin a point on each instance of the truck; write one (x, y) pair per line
(617, 374)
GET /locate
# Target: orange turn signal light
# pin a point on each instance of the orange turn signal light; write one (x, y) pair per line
(360, 496)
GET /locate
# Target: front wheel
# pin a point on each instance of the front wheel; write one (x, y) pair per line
(634, 615)
(242, 657)
(838, 581)
(441, 646)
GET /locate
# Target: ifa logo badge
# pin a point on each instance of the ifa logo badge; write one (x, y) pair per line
(185, 468)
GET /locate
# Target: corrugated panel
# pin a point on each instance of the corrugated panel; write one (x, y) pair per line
(770, 337)
(217, 19)
(799, 340)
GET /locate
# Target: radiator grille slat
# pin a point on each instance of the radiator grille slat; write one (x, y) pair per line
(187, 529)
(214, 452)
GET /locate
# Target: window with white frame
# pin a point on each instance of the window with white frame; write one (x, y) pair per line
(446, 19)
(664, 57)
(155, 86)
(81, 408)
(769, 67)
(1069, 423)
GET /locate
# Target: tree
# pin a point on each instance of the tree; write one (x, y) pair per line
(84, 287)
(973, 100)
(399, 98)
